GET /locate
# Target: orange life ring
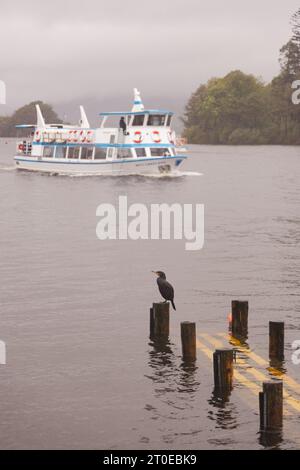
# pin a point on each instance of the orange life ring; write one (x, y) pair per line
(21, 147)
(138, 137)
(156, 137)
(37, 136)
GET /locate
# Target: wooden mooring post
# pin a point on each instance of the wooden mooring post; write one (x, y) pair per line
(276, 341)
(188, 341)
(271, 406)
(151, 323)
(223, 369)
(160, 320)
(239, 311)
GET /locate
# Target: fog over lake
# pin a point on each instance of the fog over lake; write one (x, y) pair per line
(96, 52)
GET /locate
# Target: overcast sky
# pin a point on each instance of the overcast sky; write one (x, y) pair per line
(69, 50)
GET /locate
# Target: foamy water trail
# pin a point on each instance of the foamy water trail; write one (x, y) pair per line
(7, 168)
(190, 173)
(175, 174)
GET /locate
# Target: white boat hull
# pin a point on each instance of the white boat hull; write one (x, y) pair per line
(143, 166)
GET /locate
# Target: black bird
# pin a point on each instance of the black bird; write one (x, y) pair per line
(165, 287)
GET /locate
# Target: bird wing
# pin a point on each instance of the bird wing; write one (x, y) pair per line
(165, 289)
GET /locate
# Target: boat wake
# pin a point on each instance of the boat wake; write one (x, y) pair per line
(174, 174)
(7, 168)
(190, 173)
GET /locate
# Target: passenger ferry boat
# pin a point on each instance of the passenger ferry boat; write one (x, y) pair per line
(141, 142)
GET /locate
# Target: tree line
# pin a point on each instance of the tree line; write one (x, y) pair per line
(26, 115)
(241, 109)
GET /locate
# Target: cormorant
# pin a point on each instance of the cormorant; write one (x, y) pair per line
(165, 287)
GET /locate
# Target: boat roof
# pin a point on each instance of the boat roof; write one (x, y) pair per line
(131, 113)
(35, 125)
(25, 126)
(52, 126)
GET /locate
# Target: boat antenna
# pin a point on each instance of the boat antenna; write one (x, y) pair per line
(137, 103)
(83, 119)
(40, 120)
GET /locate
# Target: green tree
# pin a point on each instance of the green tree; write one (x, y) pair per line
(284, 114)
(27, 115)
(295, 22)
(224, 105)
(240, 109)
(289, 59)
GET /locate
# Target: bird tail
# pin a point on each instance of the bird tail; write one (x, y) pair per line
(173, 305)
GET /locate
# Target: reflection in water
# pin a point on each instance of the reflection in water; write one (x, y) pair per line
(166, 371)
(223, 412)
(162, 368)
(174, 394)
(187, 378)
(161, 360)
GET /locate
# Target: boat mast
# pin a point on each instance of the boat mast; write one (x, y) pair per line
(137, 103)
(40, 119)
(84, 123)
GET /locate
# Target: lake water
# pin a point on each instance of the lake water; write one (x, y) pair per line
(74, 310)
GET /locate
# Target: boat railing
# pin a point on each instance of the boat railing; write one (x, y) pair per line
(72, 136)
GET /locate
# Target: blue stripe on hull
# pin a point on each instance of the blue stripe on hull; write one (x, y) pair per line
(94, 162)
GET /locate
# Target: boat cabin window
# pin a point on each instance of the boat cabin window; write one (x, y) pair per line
(160, 152)
(87, 153)
(169, 119)
(61, 152)
(140, 152)
(124, 153)
(138, 120)
(156, 120)
(48, 152)
(73, 152)
(100, 153)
